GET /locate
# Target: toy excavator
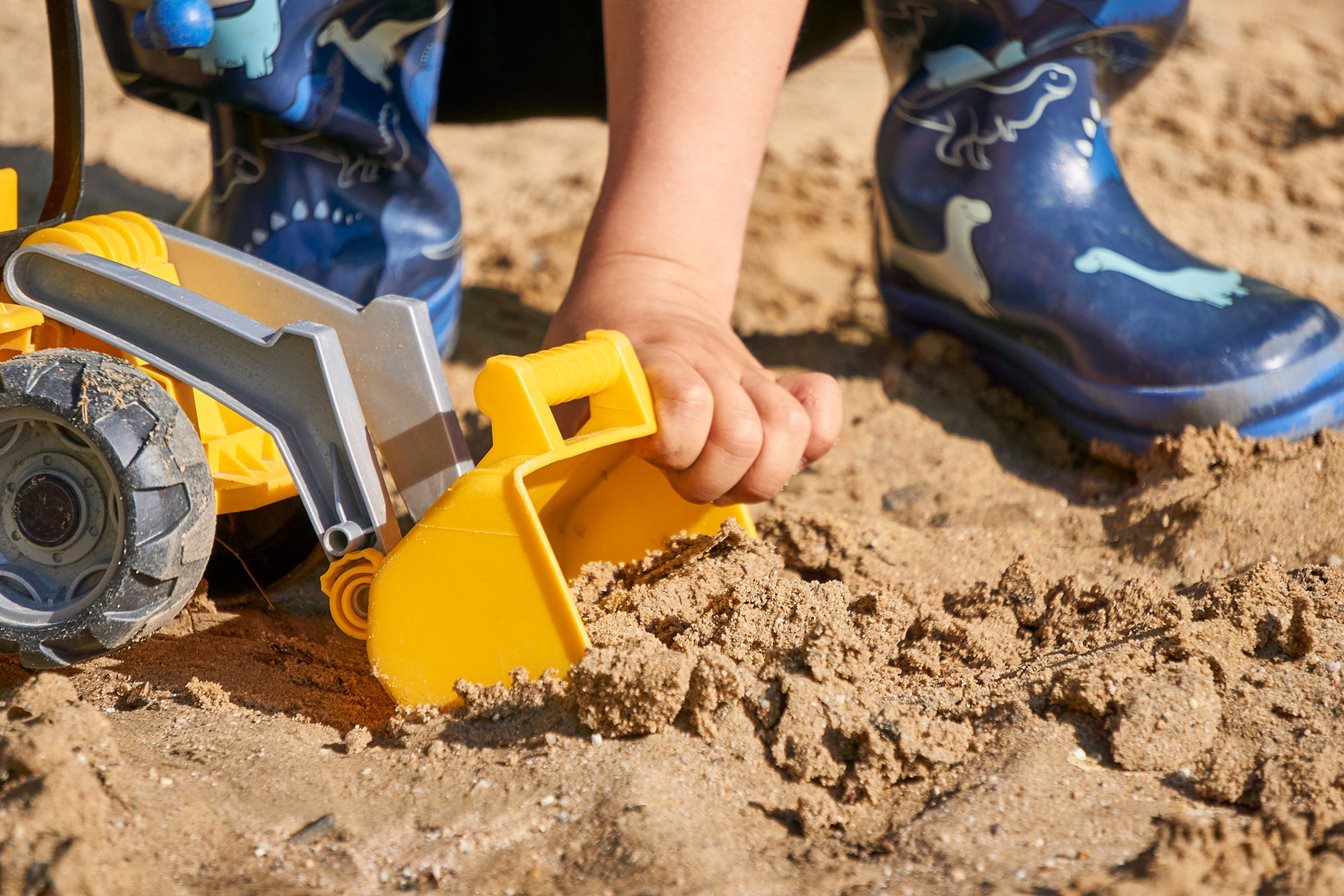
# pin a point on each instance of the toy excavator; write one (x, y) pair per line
(153, 383)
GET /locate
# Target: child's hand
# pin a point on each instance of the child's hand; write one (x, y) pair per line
(691, 88)
(728, 429)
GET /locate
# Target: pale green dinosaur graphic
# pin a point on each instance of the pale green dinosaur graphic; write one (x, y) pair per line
(374, 52)
(1212, 287)
(954, 271)
(246, 40)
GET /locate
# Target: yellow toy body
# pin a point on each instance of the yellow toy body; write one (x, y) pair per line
(479, 586)
(448, 572)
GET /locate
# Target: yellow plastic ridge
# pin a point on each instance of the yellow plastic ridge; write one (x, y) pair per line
(346, 585)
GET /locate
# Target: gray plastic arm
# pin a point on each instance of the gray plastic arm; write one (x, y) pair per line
(389, 348)
(292, 381)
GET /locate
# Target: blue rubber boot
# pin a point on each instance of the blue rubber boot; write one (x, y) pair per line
(319, 113)
(1003, 218)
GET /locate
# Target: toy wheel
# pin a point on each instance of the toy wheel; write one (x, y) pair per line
(107, 506)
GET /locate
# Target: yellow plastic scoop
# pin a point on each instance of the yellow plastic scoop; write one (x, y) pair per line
(479, 586)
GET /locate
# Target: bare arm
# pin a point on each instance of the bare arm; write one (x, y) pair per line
(692, 88)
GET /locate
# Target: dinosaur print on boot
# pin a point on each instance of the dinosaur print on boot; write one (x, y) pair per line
(374, 52)
(1067, 292)
(246, 40)
(971, 124)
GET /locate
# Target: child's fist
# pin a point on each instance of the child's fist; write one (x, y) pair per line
(728, 429)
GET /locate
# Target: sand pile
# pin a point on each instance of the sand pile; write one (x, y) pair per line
(869, 704)
(61, 828)
(1239, 703)
(1195, 512)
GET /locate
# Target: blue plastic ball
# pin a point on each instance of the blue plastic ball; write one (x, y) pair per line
(179, 24)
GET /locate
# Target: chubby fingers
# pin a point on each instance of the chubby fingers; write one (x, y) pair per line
(785, 432)
(820, 396)
(709, 431)
(730, 448)
(736, 435)
(683, 405)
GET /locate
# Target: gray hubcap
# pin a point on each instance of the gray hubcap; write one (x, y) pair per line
(61, 524)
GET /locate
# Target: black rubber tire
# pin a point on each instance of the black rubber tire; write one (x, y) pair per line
(163, 483)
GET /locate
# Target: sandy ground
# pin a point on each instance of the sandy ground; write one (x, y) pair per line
(966, 657)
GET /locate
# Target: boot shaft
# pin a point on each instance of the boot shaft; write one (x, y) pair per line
(319, 116)
(318, 65)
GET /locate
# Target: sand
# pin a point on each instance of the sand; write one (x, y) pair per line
(966, 656)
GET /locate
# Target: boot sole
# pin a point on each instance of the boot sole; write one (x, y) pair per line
(1294, 402)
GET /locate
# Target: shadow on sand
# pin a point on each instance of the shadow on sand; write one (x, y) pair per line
(105, 189)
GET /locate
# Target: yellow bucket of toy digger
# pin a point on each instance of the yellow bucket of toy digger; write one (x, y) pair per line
(479, 587)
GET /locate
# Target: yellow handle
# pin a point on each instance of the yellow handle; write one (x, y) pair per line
(574, 371)
(517, 393)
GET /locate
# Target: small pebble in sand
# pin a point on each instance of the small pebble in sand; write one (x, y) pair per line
(597, 740)
(357, 740)
(208, 694)
(313, 829)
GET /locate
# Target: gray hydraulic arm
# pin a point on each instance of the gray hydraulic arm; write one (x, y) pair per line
(324, 377)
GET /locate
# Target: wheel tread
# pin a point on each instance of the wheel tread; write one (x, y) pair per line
(168, 498)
